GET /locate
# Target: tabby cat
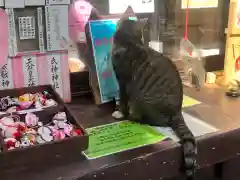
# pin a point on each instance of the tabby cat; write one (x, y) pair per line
(150, 86)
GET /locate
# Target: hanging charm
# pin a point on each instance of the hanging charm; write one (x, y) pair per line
(186, 47)
(193, 65)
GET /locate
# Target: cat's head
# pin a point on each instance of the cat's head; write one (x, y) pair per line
(129, 30)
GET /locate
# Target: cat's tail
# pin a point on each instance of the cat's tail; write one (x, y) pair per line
(188, 143)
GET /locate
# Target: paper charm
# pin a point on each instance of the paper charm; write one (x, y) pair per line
(187, 48)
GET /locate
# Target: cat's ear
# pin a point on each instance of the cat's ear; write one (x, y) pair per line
(127, 14)
(94, 15)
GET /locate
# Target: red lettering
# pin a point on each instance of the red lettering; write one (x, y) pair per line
(106, 74)
(103, 41)
(97, 42)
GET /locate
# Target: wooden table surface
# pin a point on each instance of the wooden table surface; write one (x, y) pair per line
(158, 161)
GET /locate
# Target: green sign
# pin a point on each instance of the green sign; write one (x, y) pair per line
(121, 136)
(188, 101)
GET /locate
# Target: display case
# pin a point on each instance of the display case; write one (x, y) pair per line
(167, 26)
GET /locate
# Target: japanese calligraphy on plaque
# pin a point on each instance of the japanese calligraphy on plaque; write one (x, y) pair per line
(12, 42)
(6, 80)
(26, 27)
(30, 72)
(54, 61)
(40, 29)
(57, 27)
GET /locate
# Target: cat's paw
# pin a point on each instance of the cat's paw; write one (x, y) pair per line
(117, 115)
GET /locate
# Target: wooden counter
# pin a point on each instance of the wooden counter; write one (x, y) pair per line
(217, 152)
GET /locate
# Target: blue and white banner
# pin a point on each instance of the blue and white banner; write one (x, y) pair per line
(102, 32)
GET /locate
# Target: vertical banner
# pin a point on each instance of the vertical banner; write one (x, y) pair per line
(54, 62)
(101, 33)
(40, 29)
(56, 18)
(12, 40)
(6, 77)
(29, 66)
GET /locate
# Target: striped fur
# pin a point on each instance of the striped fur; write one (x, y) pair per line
(151, 86)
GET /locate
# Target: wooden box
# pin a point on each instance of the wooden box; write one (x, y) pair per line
(34, 89)
(42, 155)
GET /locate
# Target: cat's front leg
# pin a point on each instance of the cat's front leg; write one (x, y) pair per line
(123, 110)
